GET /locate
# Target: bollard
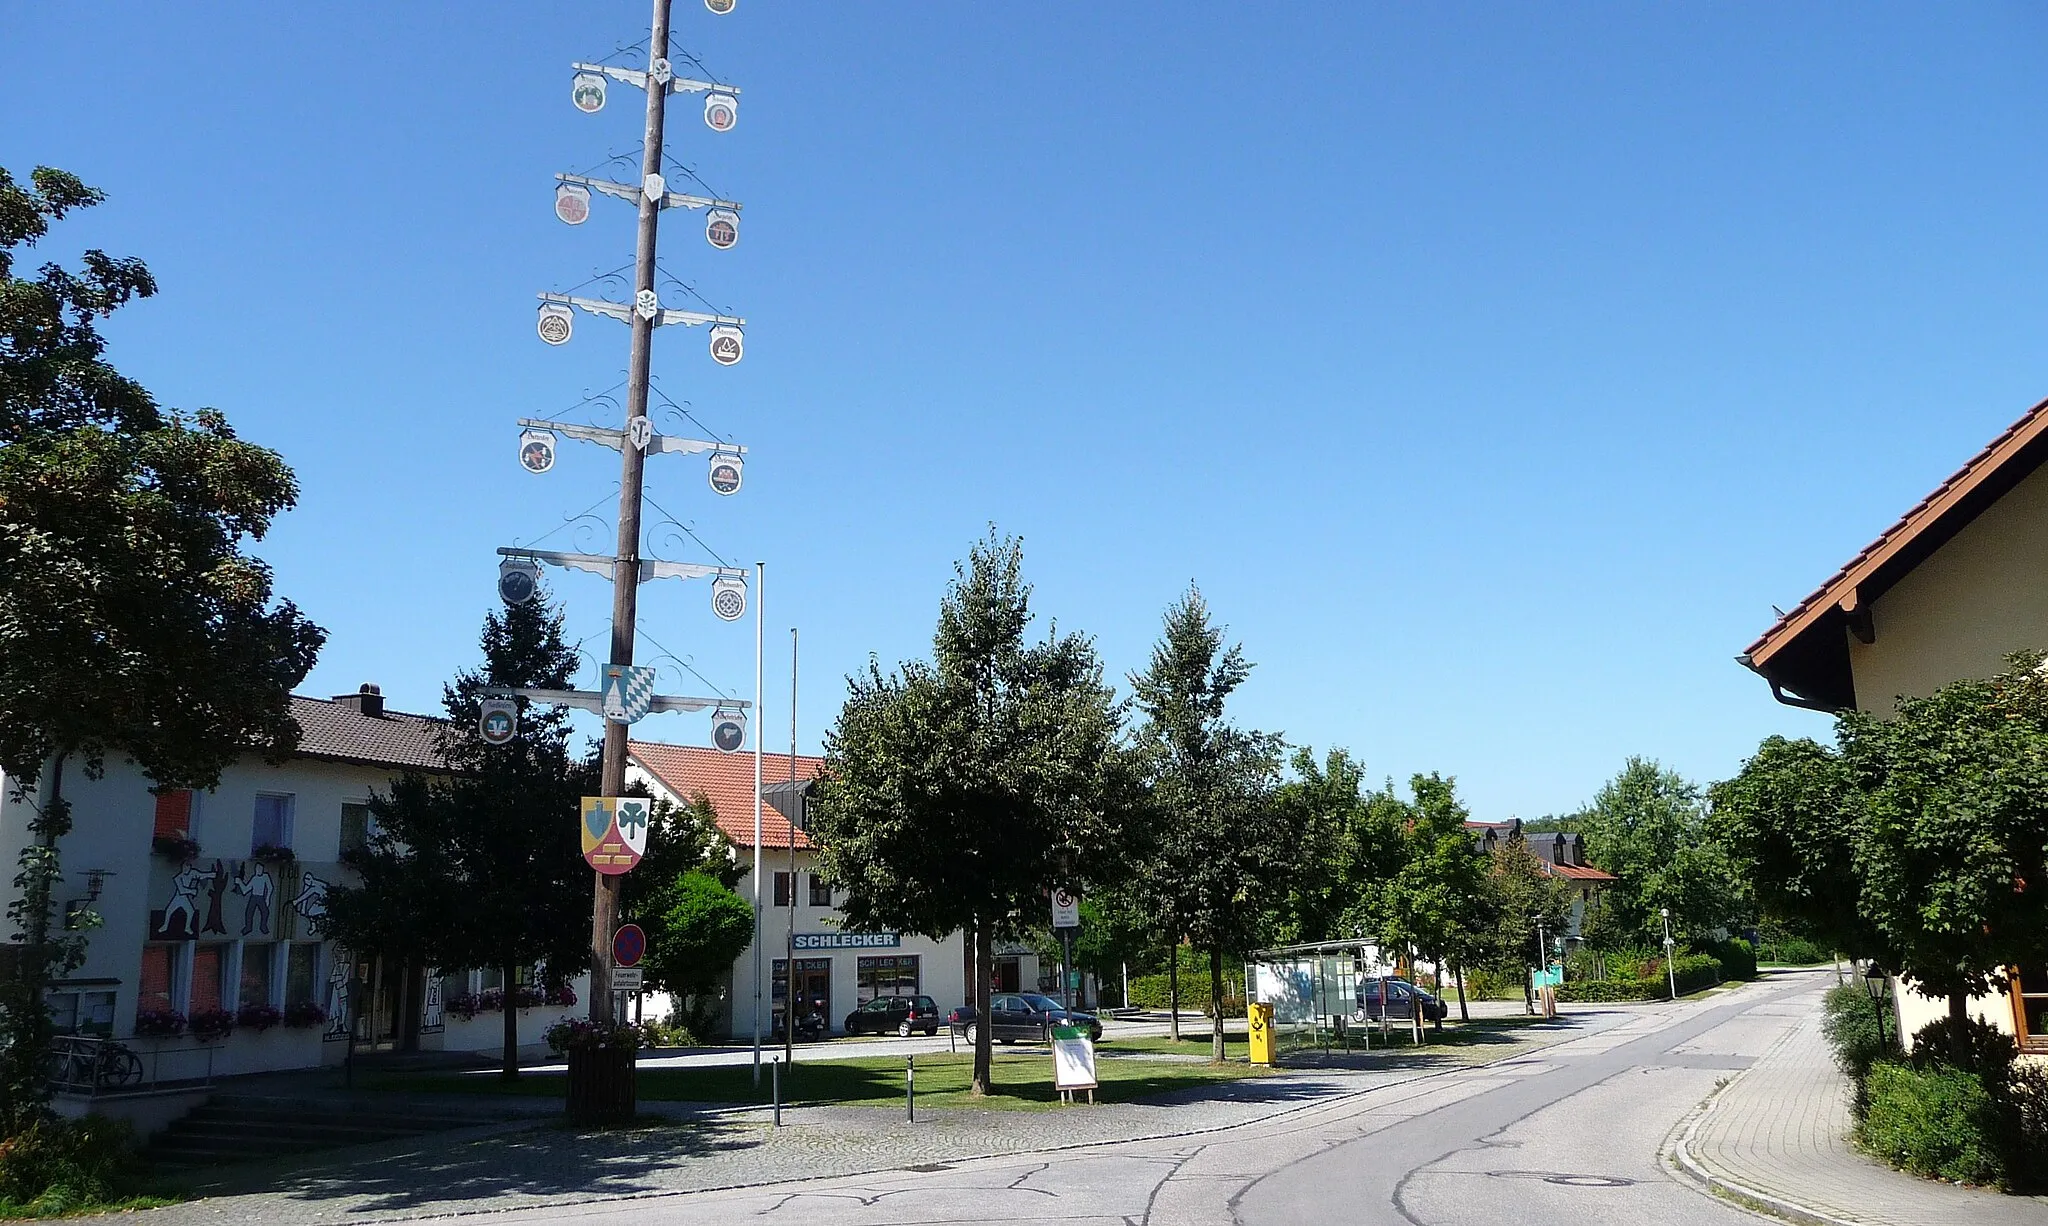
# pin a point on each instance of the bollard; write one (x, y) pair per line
(775, 1073)
(910, 1088)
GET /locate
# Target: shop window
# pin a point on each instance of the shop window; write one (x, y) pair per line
(259, 963)
(177, 813)
(490, 977)
(156, 984)
(208, 962)
(302, 984)
(821, 890)
(355, 829)
(782, 888)
(273, 824)
(2030, 1006)
(886, 975)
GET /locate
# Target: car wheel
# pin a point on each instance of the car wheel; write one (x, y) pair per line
(972, 1032)
(932, 1032)
(903, 1030)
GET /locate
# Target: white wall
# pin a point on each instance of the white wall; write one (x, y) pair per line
(113, 822)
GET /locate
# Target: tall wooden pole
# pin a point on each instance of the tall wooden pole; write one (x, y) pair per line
(604, 914)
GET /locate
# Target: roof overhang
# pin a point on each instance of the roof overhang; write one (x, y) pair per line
(1805, 655)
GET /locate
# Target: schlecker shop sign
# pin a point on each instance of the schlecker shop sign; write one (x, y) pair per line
(848, 940)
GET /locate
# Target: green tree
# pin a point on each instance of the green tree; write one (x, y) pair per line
(696, 926)
(1521, 901)
(484, 866)
(1217, 855)
(1648, 827)
(1433, 901)
(1345, 848)
(1788, 820)
(1951, 832)
(131, 620)
(957, 793)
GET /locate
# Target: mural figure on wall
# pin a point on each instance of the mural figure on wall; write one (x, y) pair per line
(216, 890)
(258, 887)
(338, 980)
(312, 900)
(430, 1008)
(183, 905)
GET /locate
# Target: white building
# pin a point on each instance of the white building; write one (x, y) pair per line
(211, 903)
(836, 971)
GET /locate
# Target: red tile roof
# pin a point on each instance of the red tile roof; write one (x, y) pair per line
(727, 781)
(1806, 650)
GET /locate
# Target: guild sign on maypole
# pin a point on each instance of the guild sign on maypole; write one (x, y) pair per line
(536, 450)
(557, 323)
(728, 345)
(726, 472)
(572, 203)
(587, 92)
(722, 228)
(628, 693)
(498, 721)
(614, 830)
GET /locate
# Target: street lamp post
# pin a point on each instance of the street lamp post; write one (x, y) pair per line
(1874, 983)
(1670, 946)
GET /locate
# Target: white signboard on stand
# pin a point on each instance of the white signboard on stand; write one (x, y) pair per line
(1073, 1059)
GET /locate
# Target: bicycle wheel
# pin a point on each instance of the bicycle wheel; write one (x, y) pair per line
(119, 1067)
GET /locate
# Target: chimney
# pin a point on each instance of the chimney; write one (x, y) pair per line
(367, 701)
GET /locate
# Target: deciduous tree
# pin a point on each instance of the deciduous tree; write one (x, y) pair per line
(958, 792)
(132, 622)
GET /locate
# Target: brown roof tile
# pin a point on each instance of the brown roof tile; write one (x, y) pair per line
(339, 732)
(727, 781)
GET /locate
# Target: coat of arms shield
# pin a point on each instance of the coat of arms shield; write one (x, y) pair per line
(614, 831)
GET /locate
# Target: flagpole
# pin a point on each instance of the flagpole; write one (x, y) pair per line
(760, 577)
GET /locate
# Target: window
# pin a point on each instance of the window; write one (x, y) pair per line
(821, 891)
(355, 829)
(83, 1013)
(2030, 1006)
(176, 814)
(273, 827)
(207, 963)
(782, 884)
(156, 983)
(888, 975)
(302, 984)
(259, 963)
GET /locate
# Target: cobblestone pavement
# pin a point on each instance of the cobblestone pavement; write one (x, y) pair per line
(528, 1166)
(1781, 1130)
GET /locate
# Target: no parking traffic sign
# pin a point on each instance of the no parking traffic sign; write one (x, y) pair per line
(629, 944)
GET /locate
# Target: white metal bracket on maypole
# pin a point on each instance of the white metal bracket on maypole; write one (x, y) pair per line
(658, 444)
(607, 566)
(662, 73)
(669, 199)
(593, 700)
(624, 312)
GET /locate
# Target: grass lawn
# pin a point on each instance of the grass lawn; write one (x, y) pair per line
(1021, 1081)
(1192, 1043)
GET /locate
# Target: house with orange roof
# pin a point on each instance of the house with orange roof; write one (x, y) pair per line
(1562, 855)
(836, 971)
(1946, 592)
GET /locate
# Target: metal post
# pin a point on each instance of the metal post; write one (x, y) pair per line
(910, 1088)
(1670, 947)
(604, 912)
(1067, 968)
(775, 1074)
(795, 803)
(760, 577)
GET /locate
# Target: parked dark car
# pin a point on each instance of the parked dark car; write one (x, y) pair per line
(902, 1014)
(1026, 1016)
(1401, 1002)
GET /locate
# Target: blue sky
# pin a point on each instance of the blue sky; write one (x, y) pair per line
(1492, 369)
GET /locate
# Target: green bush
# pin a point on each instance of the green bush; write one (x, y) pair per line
(1851, 1026)
(1484, 984)
(61, 1166)
(1149, 992)
(1696, 972)
(1936, 1122)
(1737, 958)
(1793, 951)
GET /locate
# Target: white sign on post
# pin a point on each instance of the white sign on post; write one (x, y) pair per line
(627, 978)
(1066, 909)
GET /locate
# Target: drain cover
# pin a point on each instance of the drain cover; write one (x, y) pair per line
(1568, 1179)
(927, 1168)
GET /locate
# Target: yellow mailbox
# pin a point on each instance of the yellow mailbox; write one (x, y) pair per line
(1259, 1021)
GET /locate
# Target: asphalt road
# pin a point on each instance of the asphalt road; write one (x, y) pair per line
(1569, 1134)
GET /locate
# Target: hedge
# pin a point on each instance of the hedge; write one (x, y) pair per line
(1936, 1122)
(1611, 989)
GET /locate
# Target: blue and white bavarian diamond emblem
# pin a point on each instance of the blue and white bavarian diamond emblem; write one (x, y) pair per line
(628, 692)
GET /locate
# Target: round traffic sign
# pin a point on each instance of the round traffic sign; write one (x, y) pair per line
(629, 944)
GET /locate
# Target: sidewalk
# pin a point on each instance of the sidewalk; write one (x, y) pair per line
(1777, 1136)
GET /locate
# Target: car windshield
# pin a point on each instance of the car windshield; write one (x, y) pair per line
(1045, 1003)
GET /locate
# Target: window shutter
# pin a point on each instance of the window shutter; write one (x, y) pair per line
(174, 814)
